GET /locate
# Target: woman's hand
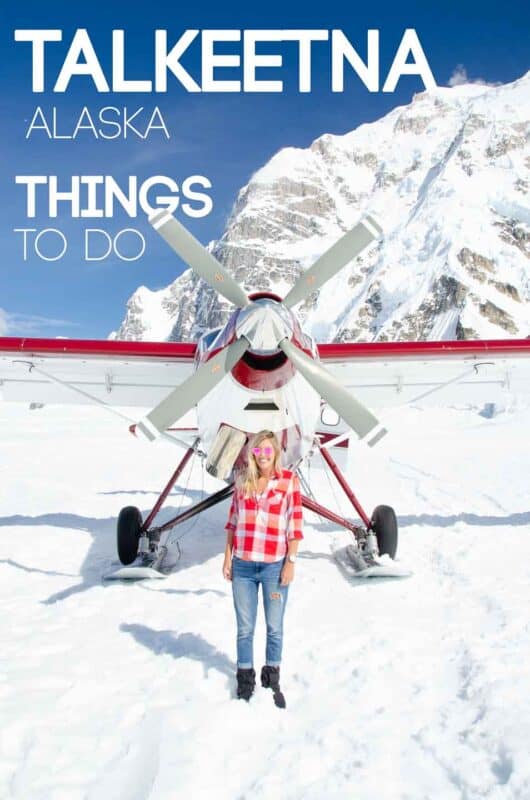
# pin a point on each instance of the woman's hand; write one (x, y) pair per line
(287, 573)
(227, 568)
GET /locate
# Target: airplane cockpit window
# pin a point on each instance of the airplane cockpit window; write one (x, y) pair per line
(329, 417)
(207, 341)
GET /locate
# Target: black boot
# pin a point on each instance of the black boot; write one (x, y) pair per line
(270, 679)
(246, 681)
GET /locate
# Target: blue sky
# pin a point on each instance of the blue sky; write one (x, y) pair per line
(224, 137)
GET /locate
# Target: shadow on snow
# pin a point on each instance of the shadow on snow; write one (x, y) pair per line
(209, 538)
(101, 557)
(441, 521)
(185, 645)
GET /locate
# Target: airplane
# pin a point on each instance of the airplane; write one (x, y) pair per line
(260, 371)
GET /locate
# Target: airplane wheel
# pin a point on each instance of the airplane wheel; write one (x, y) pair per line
(384, 525)
(129, 524)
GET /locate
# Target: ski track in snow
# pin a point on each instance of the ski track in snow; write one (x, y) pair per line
(406, 689)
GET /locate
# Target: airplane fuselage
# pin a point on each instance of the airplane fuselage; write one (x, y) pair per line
(263, 390)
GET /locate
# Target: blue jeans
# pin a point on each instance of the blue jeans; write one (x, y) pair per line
(246, 577)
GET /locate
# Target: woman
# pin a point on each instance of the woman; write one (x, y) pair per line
(263, 530)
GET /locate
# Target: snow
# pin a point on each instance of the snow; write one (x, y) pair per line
(156, 322)
(445, 174)
(396, 689)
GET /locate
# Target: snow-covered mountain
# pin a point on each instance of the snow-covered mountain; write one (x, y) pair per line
(449, 178)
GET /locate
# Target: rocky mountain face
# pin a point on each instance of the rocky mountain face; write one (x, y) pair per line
(448, 177)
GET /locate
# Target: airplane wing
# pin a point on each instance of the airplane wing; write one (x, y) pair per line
(381, 374)
(385, 374)
(115, 373)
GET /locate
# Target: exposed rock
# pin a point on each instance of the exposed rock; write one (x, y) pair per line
(133, 327)
(354, 334)
(465, 158)
(355, 280)
(516, 234)
(474, 122)
(475, 263)
(447, 293)
(374, 302)
(497, 316)
(411, 124)
(502, 143)
(506, 288)
(465, 333)
(384, 179)
(367, 159)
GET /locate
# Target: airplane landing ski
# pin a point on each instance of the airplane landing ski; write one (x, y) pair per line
(132, 573)
(355, 565)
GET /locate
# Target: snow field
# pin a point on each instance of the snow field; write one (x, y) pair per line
(406, 689)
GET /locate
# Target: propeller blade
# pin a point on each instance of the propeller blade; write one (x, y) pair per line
(193, 389)
(357, 416)
(333, 260)
(198, 258)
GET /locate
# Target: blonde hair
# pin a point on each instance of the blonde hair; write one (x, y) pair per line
(248, 478)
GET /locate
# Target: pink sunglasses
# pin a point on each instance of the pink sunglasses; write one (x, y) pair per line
(267, 451)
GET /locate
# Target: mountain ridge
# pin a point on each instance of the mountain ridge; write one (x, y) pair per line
(448, 176)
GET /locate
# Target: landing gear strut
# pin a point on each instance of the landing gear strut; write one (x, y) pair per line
(377, 537)
(141, 541)
(137, 538)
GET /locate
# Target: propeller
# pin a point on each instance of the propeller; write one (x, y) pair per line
(258, 326)
(193, 389)
(202, 262)
(357, 416)
(333, 260)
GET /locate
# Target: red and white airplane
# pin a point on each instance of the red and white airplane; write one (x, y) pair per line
(259, 371)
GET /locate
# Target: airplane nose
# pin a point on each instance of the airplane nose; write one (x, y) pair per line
(264, 323)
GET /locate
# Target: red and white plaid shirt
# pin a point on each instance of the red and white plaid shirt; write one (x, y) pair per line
(263, 525)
